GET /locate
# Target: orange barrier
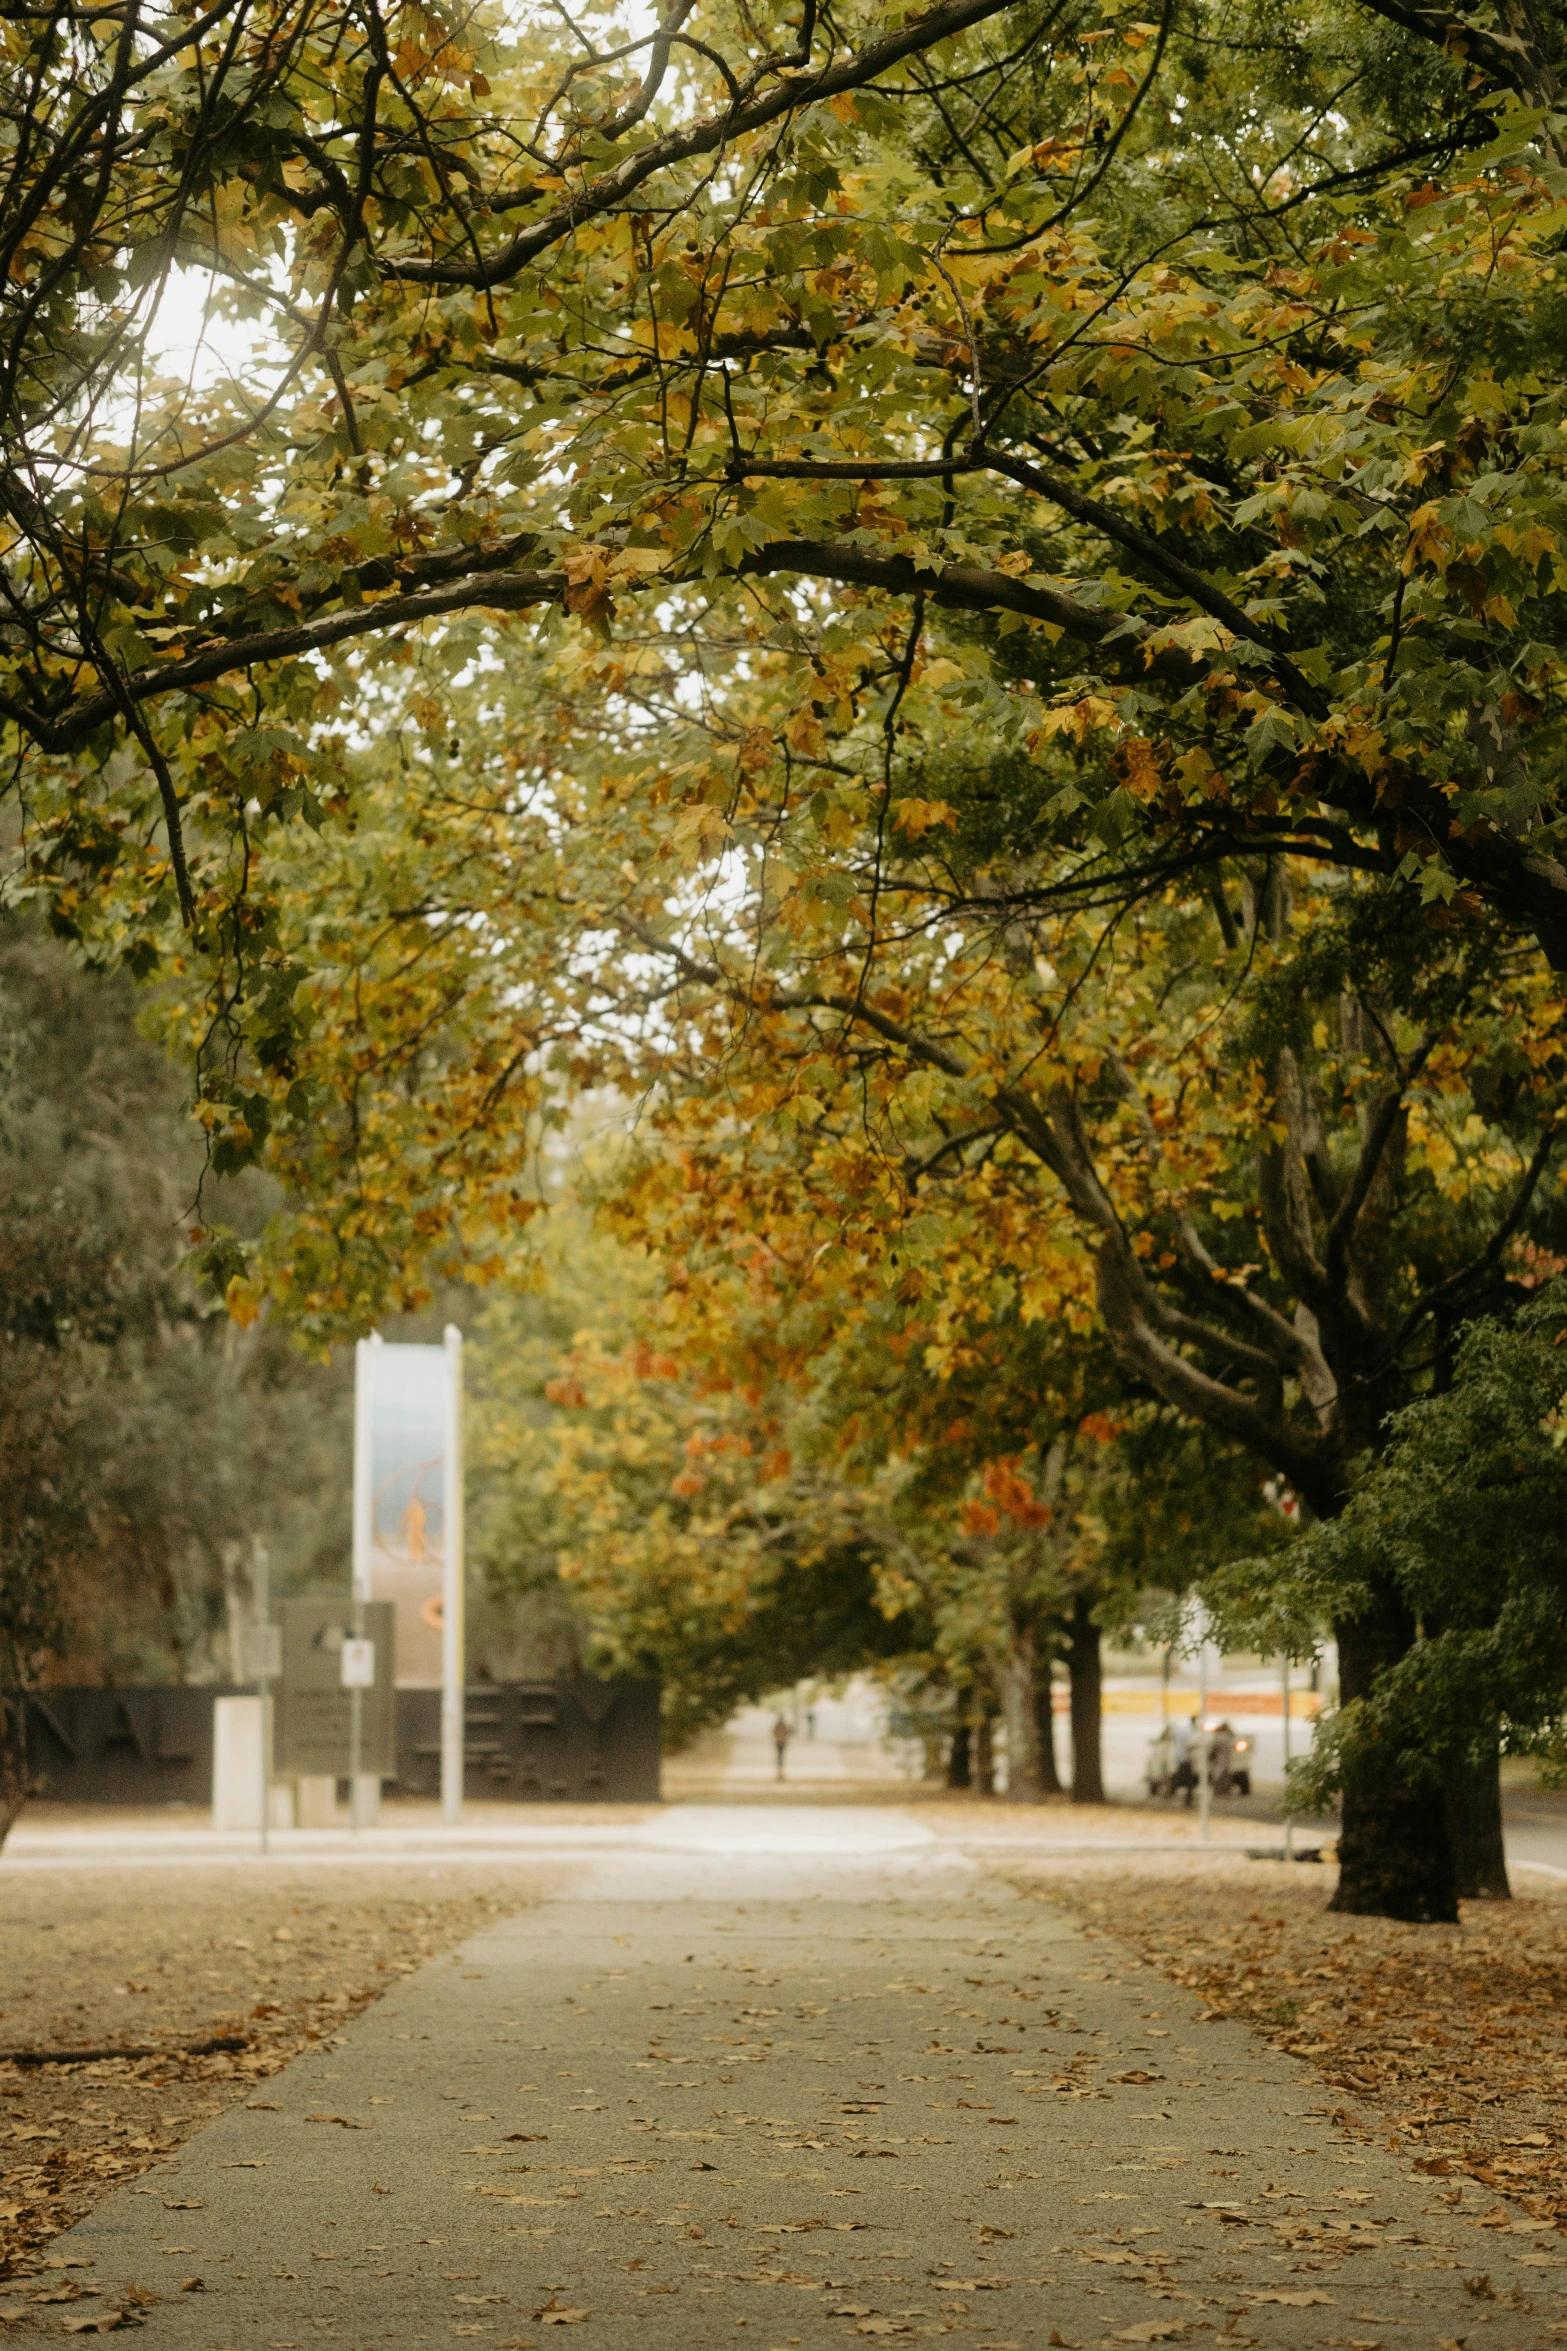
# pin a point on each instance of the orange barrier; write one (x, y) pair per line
(1228, 1705)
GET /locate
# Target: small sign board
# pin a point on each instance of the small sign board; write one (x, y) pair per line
(313, 1699)
(356, 1666)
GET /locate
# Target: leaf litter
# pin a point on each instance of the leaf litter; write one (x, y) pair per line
(211, 1959)
(1446, 2044)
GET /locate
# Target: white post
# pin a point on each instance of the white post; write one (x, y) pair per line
(1289, 1824)
(1205, 1792)
(452, 1646)
(238, 1756)
(363, 1799)
(364, 1531)
(261, 1610)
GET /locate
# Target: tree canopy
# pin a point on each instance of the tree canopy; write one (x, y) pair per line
(963, 607)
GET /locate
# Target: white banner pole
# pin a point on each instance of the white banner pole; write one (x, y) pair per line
(361, 1808)
(453, 1661)
(364, 1532)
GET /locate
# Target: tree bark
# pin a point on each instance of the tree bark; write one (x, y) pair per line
(1472, 1803)
(985, 1753)
(960, 1773)
(16, 1781)
(1019, 1679)
(1083, 1666)
(1045, 1730)
(1395, 1858)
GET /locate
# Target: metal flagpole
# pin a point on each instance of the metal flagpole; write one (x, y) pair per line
(364, 1537)
(1204, 1790)
(452, 1645)
(261, 1613)
(1289, 1822)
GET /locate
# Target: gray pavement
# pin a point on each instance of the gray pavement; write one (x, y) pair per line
(795, 2078)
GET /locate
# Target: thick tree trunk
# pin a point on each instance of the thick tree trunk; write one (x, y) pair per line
(985, 1753)
(1472, 1801)
(1045, 1733)
(1395, 1859)
(1083, 1666)
(16, 1781)
(960, 1757)
(1018, 1679)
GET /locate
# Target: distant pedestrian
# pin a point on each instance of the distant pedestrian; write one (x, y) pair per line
(1183, 1759)
(810, 1722)
(781, 1736)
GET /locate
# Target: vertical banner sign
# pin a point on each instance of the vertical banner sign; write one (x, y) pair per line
(408, 1534)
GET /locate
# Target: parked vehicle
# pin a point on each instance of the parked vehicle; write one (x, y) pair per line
(1170, 1768)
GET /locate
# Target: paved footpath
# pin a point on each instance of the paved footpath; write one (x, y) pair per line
(777, 2078)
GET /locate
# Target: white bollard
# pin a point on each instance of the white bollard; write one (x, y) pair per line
(236, 1763)
(315, 1801)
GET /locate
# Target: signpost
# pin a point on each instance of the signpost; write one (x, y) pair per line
(408, 1523)
(316, 1733)
(261, 1661)
(1289, 1817)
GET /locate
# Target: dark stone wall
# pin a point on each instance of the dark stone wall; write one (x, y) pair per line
(123, 1746)
(578, 1742)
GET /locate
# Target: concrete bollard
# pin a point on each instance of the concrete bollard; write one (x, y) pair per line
(236, 1763)
(315, 1801)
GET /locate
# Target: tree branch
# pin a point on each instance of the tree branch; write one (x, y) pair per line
(795, 88)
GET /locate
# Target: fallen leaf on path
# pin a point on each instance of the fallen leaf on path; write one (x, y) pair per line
(882, 2326)
(98, 2322)
(182, 2204)
(1293, 2300)
(1150, 2330)
(345, 2120)
(557, 2314)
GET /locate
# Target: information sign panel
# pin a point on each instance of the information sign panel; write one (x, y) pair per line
(313, 1707)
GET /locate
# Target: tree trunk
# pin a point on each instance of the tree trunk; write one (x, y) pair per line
(1083, 1666)
(1018, 1678)
(985, 1753)
(1045, 1731)
(960, 1757)
(1395, 1860)
(16, 1781)
(1472, 1801)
